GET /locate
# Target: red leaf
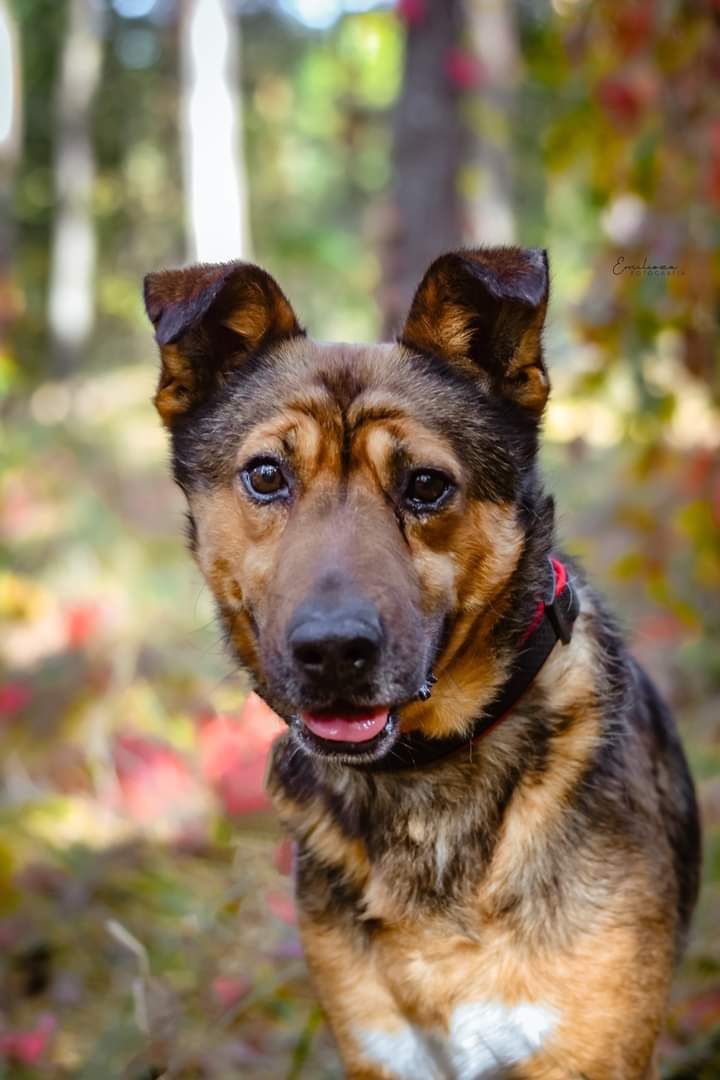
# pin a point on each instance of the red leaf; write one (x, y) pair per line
(242, 791)
(28, 1047)
(227, 991)
(620, 99)
(14, 696)
(463, 69)
(81, 622)
(153, 777)
(699, 470)
(282, 906)
(233, 754)
(411, 12)
(633, 24)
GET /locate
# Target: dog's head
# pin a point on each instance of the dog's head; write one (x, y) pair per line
(359, 511)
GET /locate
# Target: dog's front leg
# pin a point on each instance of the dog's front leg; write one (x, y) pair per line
(375, 1041)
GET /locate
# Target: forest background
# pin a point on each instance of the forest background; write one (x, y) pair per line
(146, 919)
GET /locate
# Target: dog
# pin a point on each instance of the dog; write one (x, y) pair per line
(497, 834)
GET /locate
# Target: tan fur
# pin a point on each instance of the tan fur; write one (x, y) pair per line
(342, 975)
(323, 836)
(483, 550)
(176, 384)
(252, 315)
(421, 970)
(534, 384)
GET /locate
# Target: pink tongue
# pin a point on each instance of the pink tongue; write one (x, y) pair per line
(350, 727)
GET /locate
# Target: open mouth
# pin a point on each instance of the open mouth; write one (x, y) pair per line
(348, 732)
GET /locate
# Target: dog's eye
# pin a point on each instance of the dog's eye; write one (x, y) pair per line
(264, 479)
(426, 487)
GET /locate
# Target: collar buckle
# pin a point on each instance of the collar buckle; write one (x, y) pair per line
(558, 618)
(559, 621)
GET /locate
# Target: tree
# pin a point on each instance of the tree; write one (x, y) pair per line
(490, 110)
(10, 124)
(71, 306)
(212, 131)
(426, 215)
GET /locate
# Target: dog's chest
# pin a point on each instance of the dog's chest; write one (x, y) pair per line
(482, 1040)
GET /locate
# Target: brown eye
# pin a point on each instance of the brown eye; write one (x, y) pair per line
(265, 480)
(426, 488)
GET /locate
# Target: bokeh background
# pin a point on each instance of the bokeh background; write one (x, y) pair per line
(146, 919)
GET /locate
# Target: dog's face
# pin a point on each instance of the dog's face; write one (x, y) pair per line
(356, 510)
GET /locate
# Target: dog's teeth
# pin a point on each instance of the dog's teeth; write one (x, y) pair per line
(424, 693)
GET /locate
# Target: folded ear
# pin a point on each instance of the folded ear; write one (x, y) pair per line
(484, 309)
(208, 320)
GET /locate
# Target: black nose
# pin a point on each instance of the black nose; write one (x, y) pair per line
(338, 644)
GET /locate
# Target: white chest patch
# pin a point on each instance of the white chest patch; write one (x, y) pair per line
(484, 1038)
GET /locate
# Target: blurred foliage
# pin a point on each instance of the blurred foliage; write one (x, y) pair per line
(145, 911)
(315, 131)
(636, 127)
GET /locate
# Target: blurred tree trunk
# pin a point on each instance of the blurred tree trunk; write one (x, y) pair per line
(426, 216)
(10, 127)
(494, 38)
(212, 133)
(71, 304)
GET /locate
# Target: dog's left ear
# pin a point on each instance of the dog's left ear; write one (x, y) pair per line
(484, 309)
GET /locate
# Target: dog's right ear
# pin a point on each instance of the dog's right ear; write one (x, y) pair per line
(208, 321)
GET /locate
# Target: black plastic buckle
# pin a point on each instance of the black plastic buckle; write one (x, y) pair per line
(558, 619)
